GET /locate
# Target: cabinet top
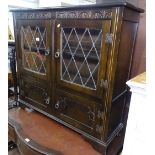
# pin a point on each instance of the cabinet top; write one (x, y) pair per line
(101, 5)
(138, 84)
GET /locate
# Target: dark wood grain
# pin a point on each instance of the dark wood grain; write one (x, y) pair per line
(139, 57)
(96, 113)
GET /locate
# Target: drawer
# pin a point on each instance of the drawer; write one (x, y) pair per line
(76, 111)
(35, 93)
(11, 133)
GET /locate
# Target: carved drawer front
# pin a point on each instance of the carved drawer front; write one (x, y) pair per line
(35, 93)
(76, 112)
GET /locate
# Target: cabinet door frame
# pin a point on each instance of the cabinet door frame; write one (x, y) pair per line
(96, 24)
(38, 81)
(42, 23)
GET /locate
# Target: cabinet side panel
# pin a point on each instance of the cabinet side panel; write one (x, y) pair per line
(128, 35)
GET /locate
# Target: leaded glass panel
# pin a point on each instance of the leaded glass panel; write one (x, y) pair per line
(33, 40)
(80, 55)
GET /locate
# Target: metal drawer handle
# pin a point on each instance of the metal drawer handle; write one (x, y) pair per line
(57, 54)
(57, 105)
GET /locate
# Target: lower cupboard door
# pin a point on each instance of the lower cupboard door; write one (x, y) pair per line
(35, 94)
(76, 112)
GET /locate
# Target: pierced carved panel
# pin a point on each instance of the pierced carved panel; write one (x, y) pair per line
(87, 14)
(34, 15)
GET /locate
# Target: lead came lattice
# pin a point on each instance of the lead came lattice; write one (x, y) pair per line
(34, 48)
(80, 55)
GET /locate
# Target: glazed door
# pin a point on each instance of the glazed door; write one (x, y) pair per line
(34, 45)
(34, 62)
(81, 55)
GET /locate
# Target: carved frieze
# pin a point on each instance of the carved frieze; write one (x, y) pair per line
(76, 14)
(34, 15)
(87, 14)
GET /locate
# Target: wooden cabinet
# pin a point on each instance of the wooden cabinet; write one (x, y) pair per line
(73, 66)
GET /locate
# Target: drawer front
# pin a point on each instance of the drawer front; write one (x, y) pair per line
(35, 93)
(76, 111)
(11, 133)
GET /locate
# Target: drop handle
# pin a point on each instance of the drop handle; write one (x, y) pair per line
(57, 54)
(47, 52)
(57, 105)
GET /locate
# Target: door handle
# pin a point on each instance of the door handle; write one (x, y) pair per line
(57, 54)
(47, 52)
(57, 105)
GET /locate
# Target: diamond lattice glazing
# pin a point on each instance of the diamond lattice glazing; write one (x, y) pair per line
(34, 48)
(80, 55)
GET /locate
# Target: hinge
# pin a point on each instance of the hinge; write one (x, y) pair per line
(104, 83)
(108, 38)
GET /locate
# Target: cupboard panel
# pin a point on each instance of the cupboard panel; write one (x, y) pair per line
(76, 111)
(35, 93)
